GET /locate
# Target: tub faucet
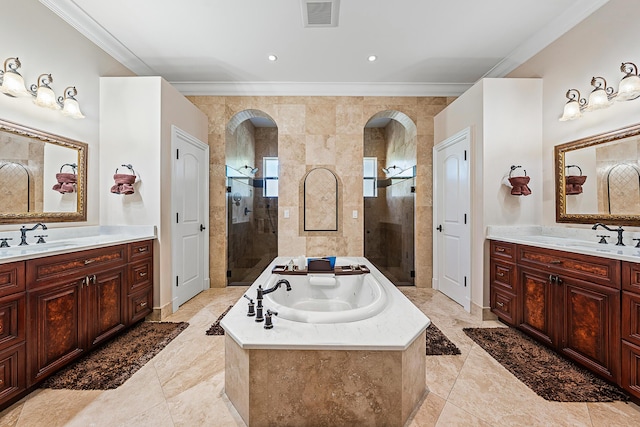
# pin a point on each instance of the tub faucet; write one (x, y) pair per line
(276, 286)
(23, 232)
(262, 292)
(618, 230)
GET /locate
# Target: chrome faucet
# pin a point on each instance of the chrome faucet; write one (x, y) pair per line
(23, 232)
(618, 230)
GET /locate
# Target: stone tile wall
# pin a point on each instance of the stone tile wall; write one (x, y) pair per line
(326, 132)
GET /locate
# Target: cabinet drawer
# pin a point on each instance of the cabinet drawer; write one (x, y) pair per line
(140, 275)
(11, 278)
(503, 274)
(12, 320)
(503, 304)
(631, 317)
(503, 250)
(604, 271)
(631, 277)
(140, 250)
(139, 305)
(13, 380)
(45, 269)
(630, 380)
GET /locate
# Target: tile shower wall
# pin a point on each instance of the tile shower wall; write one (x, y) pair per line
(326, 132)
(30, 155)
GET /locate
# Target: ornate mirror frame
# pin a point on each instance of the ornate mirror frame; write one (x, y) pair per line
(560, 150)
(81, 148)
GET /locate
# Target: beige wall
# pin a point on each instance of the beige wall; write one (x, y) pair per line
(595, 47)
(320, 132)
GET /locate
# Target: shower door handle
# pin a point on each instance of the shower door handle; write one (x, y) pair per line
(439, 228)
(202, 227)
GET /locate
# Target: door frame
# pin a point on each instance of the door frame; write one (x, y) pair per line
(462, 137)
(179, 134)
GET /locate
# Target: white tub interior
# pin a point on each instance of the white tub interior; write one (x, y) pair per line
(325, 298)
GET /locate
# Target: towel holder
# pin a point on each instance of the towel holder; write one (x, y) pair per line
(66, 181)
(73, 167)
(124, 181)
(514, 167)
(519, 183)
(128, 167)
(573, 183)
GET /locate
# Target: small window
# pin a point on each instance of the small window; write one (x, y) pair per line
(370, 165)
(270, 175)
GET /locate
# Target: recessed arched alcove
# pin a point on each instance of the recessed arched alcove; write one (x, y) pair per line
(320, 200)
(390, 159)
(251, 159)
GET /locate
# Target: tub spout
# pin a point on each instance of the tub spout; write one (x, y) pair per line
(276, 286)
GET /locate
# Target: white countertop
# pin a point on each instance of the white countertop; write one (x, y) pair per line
(71, 239)
(394, 328)
(579, 241)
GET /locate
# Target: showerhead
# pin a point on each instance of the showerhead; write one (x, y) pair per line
(252, 171)
(387, 170)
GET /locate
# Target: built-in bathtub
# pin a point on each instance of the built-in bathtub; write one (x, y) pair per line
(345, 349)
(327, 298)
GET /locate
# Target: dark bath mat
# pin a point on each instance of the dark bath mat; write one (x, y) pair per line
(544, 371)
(216, 329)
(112, 364)
(438, 344)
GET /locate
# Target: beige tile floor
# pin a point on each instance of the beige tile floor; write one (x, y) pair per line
(184, 384)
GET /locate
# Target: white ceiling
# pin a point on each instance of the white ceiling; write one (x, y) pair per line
(424, 47)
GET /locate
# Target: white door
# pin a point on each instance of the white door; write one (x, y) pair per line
(190, 207)
(451, 235)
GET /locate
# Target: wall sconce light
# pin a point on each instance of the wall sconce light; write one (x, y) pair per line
(44, 96)
(602, 95)
(70, 106)
(574, 106)
(629, 87)
(12, 84)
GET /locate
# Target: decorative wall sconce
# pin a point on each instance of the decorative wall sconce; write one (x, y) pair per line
(12, 84)
(11, 81)
(602, 95)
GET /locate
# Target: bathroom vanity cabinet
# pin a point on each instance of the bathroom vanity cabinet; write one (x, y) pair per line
(13, 378)
(631, 328)
(56, 308)
(569, 301)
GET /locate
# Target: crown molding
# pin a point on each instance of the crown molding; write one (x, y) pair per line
(75, 16)
(320, 89)
(545, 36)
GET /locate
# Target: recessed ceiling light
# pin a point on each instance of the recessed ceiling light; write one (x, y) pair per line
(372, 58)
(272, 58)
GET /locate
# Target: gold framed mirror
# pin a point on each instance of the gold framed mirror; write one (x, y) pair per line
(43, 177)
(598, 178)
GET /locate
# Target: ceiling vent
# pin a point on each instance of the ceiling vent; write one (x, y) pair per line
(318, 13)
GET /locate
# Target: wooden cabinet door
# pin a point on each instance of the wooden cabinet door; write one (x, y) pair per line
(57, 333)
(536, 305)
(591, 327)
(106, 303)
